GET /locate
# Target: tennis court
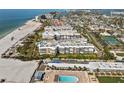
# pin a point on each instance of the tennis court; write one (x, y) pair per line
(110, 40)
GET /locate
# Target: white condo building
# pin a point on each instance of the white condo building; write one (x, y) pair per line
(63, 40)
(66, 47)
(60, 32)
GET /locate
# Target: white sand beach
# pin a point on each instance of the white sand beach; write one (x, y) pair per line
(18, 34)
(15, 70)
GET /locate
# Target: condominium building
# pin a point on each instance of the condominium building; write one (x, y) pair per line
(60, 35)
(75, 46)
(56, 22)
(63, 40)
(47, 47)
(58, 28)
(66, 47)
(60, 32)
(36, 18)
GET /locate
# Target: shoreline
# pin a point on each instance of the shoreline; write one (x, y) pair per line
(27, 28)
(13, 29)
(10, 31)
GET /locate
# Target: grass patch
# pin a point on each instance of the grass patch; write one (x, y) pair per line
(120, 54)
(29, 51)
(79, 56)
(110, 79)
(71, 56)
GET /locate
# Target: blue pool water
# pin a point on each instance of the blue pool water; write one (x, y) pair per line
(67, 79)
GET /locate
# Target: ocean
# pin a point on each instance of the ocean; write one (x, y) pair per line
(10, 19)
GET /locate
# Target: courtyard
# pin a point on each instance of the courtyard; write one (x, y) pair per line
(51, 76)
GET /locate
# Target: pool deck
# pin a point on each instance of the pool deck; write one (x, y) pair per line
(50, 76)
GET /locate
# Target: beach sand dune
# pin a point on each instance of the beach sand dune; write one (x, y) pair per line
(15, 70)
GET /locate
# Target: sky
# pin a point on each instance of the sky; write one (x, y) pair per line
(63, 4)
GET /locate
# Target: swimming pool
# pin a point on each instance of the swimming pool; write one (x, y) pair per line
(67, 79)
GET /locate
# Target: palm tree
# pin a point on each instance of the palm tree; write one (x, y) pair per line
(97, 70)
(80, 68)
(52, 66)
(75, 67)
(84, 68)
(69, 68)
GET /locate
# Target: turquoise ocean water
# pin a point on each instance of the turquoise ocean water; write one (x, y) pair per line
(10, 19)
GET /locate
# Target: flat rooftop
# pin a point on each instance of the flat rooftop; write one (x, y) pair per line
(63, 43)
(111, 65)
(47, 43)
(91, 65)
(74, 42)
(61, 32)
(64, 27)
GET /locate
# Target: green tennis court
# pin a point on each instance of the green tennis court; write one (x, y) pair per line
(110, 40)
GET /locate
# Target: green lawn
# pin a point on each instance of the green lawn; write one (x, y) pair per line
(120, 54)
(75, 56)
(104, 79)
(79, 56)
(29, 51)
